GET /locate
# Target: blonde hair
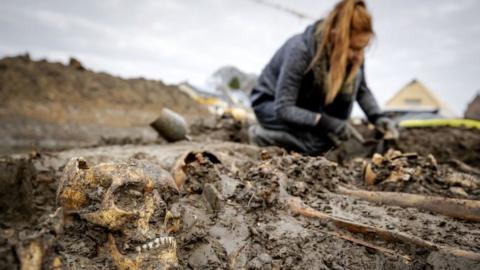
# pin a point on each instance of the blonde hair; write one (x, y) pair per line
(349, 17)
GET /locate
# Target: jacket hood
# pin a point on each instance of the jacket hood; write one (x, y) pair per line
(309, 37)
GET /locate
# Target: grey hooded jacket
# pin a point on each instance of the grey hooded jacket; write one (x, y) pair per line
(286, 98)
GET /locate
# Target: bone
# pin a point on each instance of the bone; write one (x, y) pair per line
(298, 207)
(120, 261)
(144, 247)
(457, 208)
(31, 256)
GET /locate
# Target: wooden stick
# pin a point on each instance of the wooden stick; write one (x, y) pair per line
(457, 208)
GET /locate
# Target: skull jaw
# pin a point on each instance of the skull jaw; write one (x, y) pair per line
(162, 257)
(159, 253)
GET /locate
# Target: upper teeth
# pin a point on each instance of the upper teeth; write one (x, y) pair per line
(157, 242)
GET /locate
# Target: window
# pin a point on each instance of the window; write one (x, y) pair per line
(413, 101)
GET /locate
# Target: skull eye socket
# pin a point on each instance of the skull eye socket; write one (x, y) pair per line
(130, 196)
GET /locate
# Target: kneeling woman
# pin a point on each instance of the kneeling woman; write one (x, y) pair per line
(305, 95)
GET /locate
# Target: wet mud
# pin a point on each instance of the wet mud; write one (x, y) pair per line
(233, 212)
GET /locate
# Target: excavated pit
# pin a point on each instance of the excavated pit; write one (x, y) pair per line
(233, 214)
(237, 206)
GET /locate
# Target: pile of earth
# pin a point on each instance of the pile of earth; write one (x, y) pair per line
(220, 128)
(55, 106)
(447, 144)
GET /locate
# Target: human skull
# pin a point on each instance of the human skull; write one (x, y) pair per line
(125, 198)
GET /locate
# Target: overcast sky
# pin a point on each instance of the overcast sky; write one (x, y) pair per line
(436, 41)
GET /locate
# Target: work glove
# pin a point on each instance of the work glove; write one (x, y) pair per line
(336, 129)
(388, 127)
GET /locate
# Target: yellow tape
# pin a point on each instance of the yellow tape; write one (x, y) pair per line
(441, 123)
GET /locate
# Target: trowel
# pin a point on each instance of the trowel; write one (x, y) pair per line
(359, 147)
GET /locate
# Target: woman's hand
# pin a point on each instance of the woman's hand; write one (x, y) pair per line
(332, 125)
(388, 127)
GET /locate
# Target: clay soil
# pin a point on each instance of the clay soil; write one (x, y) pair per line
(248, 222)
(46, 105)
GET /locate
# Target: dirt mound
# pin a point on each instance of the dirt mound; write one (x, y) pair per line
(51, 105)
(445, 143)
(220, 128)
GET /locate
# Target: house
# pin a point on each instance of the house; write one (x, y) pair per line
(417, 101)
(233, 84)
(473, 109)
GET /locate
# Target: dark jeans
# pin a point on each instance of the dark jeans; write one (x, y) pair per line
(273, 132)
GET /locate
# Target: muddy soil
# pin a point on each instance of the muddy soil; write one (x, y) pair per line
(219, 128)
(233, 214)
(446, 144)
